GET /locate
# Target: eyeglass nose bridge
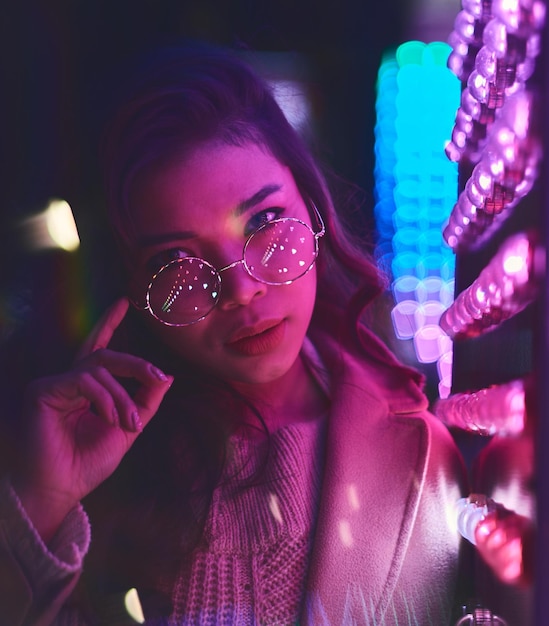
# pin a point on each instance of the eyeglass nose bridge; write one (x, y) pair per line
(234, 264)
(242, 262)
(248, 269)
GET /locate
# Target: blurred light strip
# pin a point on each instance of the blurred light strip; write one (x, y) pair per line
(505, 173)
(499, 409)
(415, 189)
(495, 44)
(494, 47)
(509, 282)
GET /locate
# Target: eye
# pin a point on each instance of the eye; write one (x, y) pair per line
(262, 217)
(163, 258)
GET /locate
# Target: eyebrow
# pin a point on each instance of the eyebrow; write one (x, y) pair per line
(241, 207)
(258, 197)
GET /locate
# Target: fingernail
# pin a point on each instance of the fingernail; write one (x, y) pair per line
(159, 374)
(136, 421)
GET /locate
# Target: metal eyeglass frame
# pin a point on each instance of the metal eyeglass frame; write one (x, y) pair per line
(321, 232)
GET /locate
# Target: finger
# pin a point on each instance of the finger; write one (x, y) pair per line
(148, 400)
(124, 365)
(103, 331)
(154, 383)
(123, 409)
(74, 392)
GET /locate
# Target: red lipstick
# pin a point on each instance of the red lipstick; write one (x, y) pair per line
(259, 339)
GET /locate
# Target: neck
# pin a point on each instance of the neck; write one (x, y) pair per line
(292, 398)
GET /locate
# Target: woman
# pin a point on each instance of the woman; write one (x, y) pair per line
(247, 451)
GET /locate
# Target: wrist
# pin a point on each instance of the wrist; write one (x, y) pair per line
(45, 509)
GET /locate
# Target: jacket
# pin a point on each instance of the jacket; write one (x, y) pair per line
(386, 547)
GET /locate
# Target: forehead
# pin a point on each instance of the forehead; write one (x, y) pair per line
(212, 180)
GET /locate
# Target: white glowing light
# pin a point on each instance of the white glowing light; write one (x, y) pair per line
(292, 99)
(133, 606)
(471, 511)
(513, 264)
(61, 225)
(52, 228)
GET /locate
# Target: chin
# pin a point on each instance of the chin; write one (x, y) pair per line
(260, 371)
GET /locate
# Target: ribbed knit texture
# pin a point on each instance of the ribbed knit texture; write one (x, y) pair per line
(252, 564)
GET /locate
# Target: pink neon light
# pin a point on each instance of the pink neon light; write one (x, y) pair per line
(498, 409)
(505, 173)
(505, 286)
(494, 45)
(499, 534)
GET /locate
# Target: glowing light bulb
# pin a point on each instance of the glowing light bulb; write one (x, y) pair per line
(499, 409)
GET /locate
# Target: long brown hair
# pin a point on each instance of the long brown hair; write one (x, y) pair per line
(152, 509)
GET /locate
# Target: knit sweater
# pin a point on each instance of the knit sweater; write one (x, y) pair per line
(252, 563)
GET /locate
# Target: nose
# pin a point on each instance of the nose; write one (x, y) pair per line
(238, 288)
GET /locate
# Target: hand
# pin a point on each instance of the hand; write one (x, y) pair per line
(81, 423)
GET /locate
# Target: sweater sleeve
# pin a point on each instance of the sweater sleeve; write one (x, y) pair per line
(35, 578)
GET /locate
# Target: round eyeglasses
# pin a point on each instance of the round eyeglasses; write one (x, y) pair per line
(279, 252)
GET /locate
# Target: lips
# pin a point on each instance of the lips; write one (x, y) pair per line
(258, 339)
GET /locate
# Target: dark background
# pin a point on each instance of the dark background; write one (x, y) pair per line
(58, 65)
(55, 55)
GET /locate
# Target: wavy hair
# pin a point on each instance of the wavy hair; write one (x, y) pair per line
(185, 96)
(177, 100)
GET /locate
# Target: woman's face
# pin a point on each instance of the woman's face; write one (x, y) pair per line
(206, 205)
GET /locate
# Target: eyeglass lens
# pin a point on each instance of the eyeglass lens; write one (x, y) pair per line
(186, 290)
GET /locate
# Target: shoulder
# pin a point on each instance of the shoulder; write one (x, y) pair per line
(355, 356)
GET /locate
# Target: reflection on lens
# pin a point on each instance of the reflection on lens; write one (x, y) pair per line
(184, 291)
(281, 251)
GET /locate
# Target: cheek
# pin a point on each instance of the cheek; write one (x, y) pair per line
(189, 342)
(304, 292)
